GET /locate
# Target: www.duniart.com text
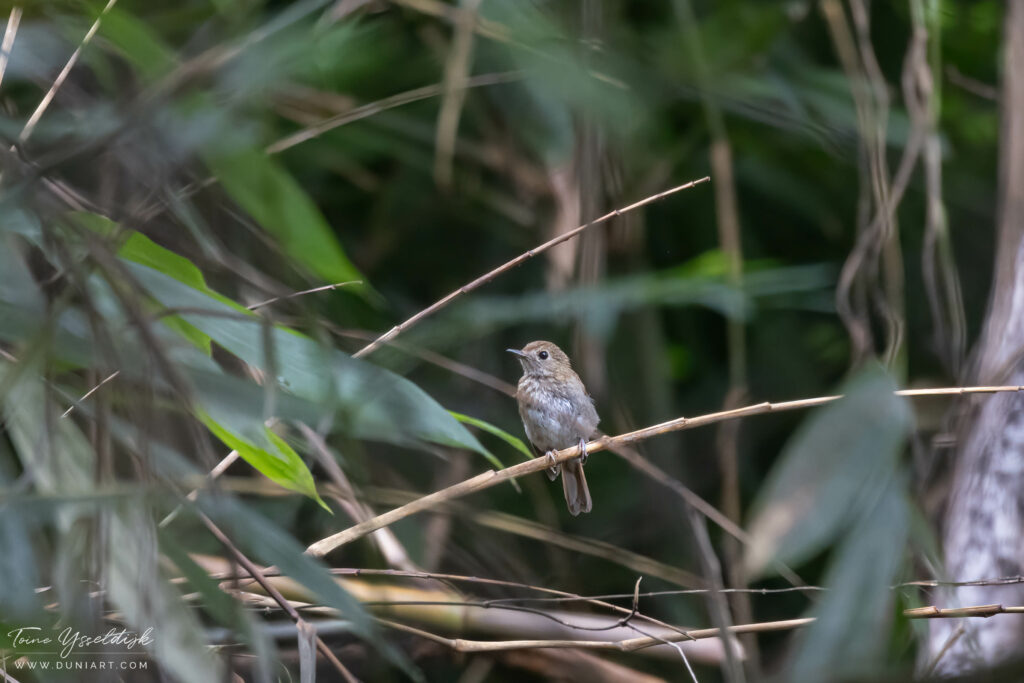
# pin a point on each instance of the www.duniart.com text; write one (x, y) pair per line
(102, 665)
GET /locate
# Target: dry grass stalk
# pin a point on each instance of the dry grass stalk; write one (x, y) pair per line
(492, 477)
(487, 277)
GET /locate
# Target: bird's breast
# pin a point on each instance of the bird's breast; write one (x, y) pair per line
(551, 418)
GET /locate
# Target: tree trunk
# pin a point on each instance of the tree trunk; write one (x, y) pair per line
(984, 527)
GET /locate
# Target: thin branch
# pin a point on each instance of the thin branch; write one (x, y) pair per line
(718, 605)
(453, 366)
(983, 611)
(487, 277)
(528, 528)
(90, 393)
(727, 219)
(922, 94)
(604, 629)
(610, 552)
(1002, 581)
(678, 648)
(459, 578)
(317, 129)
(627, 645)
(372, 108)
(564, 596)
(456, 71)
(950, 642)
(491, 478)
(275, 594)
(61, 77)
(633, 644)
(217, 470)
(971, 85)
(927, 612)
(304, 292)
(877, 242)
(550, 616)
(629, 454)
(663, 478)
(390, 547)
(8, 43)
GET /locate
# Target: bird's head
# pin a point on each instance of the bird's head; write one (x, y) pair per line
(542, 359)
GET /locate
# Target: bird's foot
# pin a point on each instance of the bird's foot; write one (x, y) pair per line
(583, 451)
(554, 467)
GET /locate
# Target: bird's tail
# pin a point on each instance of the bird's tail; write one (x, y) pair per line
(574, 485)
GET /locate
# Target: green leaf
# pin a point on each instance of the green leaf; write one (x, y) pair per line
(849, 639)
(366, 401)
(599, 307)
(139, 45)
(271, 196)
(147, 600)
(238, 423)
(265, 451)
(220, 605)
(261, 538)
(16, 281)
(512, 441)
(140, 249)
(18, 563)
(830, 470)
(132, 580)
(235, 410)
(501, 434)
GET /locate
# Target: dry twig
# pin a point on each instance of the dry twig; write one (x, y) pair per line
(272, 591)
(490, 275)
(492, 477)
(456, 73)
(635, 644)
(61, 77)
(8, 42)
(372, 108)
(304, 292)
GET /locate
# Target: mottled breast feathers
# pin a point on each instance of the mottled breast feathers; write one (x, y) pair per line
(556, 415)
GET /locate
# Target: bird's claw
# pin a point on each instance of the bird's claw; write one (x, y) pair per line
(552, 459)
(583, 451)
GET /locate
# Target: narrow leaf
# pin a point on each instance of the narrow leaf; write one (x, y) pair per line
(840, 458)
(367, 401)
(271, 196)
(269, 454)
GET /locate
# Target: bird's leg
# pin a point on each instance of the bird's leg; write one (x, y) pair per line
(550, 455)
(583, 451)
(553, 467)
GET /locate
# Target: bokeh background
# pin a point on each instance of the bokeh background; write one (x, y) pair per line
(203, 157)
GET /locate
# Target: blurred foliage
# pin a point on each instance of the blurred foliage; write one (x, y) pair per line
(205, 157)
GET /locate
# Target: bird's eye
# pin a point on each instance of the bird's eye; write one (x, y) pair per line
(543, 355)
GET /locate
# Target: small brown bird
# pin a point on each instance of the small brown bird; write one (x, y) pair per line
(557, 413)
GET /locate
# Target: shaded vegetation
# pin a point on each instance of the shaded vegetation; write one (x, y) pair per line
(204, 162)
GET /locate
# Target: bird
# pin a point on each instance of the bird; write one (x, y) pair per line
(557, 413)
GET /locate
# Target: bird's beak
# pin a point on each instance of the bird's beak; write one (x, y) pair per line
(517, 352)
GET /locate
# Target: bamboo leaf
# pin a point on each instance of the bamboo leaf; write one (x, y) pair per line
(271, 196)
(140, 249)
(834, 466)
(366, 401)
(262, 539)
(265, 451)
